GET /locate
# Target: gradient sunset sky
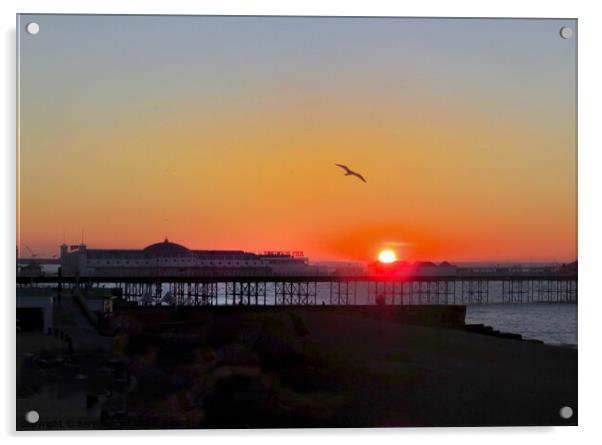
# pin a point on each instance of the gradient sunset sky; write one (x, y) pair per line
(222, 133)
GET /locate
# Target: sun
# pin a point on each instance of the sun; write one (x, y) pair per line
(387, 256)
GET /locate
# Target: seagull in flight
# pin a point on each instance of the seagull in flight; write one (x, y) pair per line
(349, 172)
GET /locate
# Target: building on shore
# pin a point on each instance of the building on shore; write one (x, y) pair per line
(171, 259)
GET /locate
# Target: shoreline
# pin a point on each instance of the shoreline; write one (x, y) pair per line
(554, 324)
(281, 367)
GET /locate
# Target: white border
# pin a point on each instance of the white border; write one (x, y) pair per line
(590, 220)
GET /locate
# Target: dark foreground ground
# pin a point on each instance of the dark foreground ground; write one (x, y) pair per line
(291, 367)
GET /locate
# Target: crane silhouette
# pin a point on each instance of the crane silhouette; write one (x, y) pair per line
(33, 255)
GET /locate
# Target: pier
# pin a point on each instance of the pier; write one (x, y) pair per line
(231, 289)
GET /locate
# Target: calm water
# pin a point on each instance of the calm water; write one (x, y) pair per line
(554, 324)
(551, 323)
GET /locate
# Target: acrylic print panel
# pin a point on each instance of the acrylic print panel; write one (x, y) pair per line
(266, 222)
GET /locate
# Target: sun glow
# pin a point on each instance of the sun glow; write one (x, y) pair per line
(387, 256)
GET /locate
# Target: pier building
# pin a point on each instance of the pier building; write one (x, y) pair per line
(171, 259)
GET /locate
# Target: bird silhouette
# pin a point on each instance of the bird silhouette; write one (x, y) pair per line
(349, 172)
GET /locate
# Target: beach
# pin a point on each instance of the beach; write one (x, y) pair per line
(428, 376)
(286, 367)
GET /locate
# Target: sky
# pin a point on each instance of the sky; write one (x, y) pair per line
(223, 132)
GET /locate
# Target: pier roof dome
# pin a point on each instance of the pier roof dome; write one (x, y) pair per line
(166, 249)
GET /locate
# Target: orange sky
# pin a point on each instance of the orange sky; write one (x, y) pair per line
(466, 157)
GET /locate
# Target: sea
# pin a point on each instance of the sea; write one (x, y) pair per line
(552, 323)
